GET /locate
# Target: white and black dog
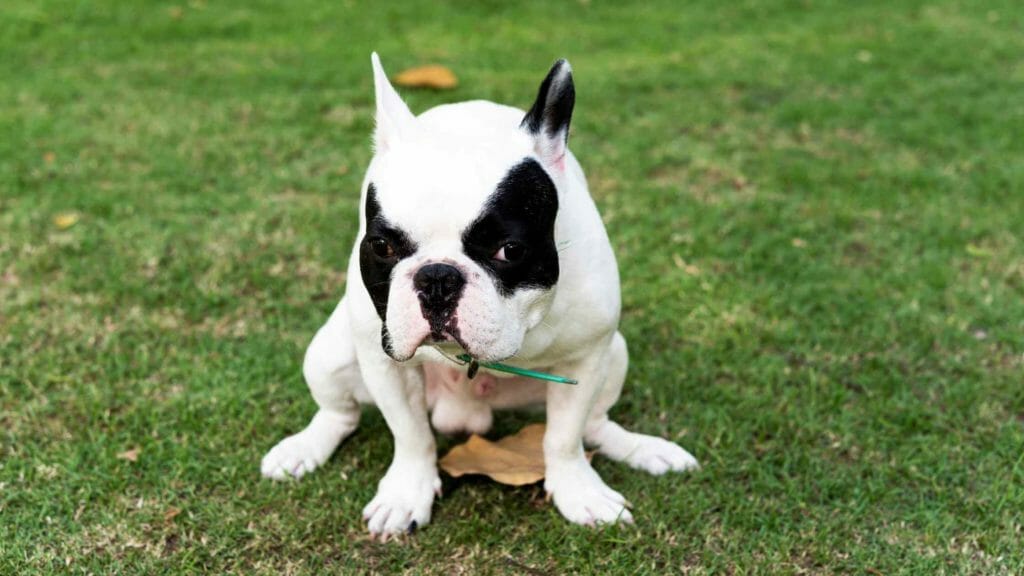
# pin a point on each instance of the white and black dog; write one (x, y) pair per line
(477, 235)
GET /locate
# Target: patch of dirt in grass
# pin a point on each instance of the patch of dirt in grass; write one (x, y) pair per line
(859, 254)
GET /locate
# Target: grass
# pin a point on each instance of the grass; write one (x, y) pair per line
(817, 209)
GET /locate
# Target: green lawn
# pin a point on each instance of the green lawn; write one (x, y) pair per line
(818, 209)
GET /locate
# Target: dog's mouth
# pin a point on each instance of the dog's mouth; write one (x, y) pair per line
(456, 348)
(449, 341)
(444, 327)
(444, 336)
(440, 337)
(447, 334)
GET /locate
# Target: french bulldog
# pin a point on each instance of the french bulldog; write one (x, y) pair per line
(477, 235)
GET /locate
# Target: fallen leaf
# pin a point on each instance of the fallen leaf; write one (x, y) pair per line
(978, 251)
(432, 76)
(49, 157)
(65, 220)
(515, 460)
(682, 265)
(171, 513)
(130, 455)
(799, 243)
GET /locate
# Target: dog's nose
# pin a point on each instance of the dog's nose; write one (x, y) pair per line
(438, 286)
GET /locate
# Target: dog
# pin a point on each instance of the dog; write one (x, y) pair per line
(478, 236)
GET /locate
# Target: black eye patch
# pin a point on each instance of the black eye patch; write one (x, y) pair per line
(380, 250)
(519, 215)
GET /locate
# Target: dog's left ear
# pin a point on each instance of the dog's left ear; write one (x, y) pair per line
(548, 118)
(393, 116)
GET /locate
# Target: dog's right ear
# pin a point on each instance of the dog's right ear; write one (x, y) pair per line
(548, 118)
(393, 116)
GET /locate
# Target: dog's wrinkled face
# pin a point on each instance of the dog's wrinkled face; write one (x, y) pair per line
(458, 248)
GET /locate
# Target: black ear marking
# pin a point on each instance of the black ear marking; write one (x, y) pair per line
(552, 110)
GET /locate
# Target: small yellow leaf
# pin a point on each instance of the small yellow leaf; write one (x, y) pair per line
(432, 76)
(799, 243)
(65, 220)
(978, 251)
(682, 265)
(130, 455)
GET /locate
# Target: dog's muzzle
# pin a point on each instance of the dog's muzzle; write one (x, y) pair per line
(439, 287)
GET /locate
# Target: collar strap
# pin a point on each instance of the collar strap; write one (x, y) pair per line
(474, 365)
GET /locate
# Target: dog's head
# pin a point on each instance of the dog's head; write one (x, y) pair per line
(458, 244)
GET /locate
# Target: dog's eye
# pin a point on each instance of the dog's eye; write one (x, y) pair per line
(511, 252)
(382, 248)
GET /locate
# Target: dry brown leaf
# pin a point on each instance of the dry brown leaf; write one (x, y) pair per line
(515, 460)
(171, 514)
(432, 76)
(65, 220)
(130, 455)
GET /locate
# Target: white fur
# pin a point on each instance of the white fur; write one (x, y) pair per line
(433, 174)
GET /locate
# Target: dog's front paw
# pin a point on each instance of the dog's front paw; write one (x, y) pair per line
(583, 498)
(294, 457)
(403, 501)
(657, 456)
(300, 454)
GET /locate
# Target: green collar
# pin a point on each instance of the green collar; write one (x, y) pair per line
(474, 366)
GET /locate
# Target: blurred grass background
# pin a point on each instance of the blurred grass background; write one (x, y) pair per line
(817, 208)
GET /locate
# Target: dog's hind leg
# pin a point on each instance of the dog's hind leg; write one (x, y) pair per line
(332, 373)
(650, 453)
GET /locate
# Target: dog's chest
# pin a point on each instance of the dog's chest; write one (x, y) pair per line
(460, 404)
